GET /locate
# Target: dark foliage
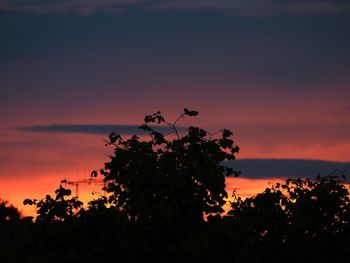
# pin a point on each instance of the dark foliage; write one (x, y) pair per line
(306, 219)
(164, 203)
(8, 213)
(169, 181)
(51, 210)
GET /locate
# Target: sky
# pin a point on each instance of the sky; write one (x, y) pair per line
(276, 73)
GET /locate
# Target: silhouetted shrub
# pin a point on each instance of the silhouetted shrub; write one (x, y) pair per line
(55, 209)
(8, 213)
(302, 217)
(166, 181)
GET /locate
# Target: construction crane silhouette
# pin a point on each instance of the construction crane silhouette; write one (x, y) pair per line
(90, 181)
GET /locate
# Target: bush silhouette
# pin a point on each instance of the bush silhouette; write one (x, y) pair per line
(55, 209)
(166, 181)
(8, 213)
(305, 218)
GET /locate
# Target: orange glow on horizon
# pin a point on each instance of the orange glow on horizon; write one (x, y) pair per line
(15, 191)
(33, 164)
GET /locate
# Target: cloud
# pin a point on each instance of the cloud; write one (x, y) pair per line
(81, 7)
(286, 168)
(258, 7)
(233, 7)
(264, 135)
(93, 129)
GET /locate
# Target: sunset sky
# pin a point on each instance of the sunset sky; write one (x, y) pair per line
(277, 73)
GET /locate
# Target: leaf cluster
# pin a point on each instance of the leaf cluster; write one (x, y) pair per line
(169, 180)
(55, 209)
(310, 209)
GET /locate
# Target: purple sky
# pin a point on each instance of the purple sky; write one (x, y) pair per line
(275, 72)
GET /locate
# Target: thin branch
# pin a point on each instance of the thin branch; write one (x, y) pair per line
(180, 117)
(174, 125)
(168, 123)
(213, 134)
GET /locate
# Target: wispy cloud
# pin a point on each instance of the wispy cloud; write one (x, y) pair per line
(231, 7)
(267, 135)
(287, 168)
(104, 129)
(81, 7)
(258, 7)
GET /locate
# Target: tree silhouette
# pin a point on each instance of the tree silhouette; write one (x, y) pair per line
(305, 218)
(55, 209)
(8, 213)
(166, 181)
(313, 207)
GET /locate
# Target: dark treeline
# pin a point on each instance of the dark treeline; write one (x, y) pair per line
(164, 203)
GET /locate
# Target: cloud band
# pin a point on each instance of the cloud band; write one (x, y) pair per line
(234, 7)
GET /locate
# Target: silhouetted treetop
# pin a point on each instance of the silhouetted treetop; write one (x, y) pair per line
(59, 208)
(168, 180)
(298, 209)
(8, 212)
